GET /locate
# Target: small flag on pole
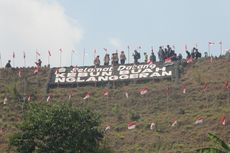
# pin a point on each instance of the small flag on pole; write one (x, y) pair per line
(184, 90)
(29, 98)
(131, 125)
(199, 120)
(20, 73)
(87, 96)
(222, 120)
(143, 91)
(48, 98)
(49, 52)
(5, 100)
(106, 93)
(37, 53)
(174, 123)
(152, 126)
(168, 60)
(226, 84)
(205, 88)
(126, 94)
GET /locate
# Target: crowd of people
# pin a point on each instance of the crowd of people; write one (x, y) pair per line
(164, 54)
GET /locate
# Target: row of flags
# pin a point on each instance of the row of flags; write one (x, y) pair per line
(174, 123)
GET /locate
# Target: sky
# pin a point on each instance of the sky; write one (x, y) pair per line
(78, 26)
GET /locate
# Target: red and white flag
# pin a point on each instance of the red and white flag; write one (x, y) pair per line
(56, 72)
(226, 84)
(49, 52)
(106, 93)
(174, 123)
(29, 98)
(13, 54)
(205, 88)
(20, 73)
(87, 96)
(199, 120)
(222, 120)
(36, 70)
(61, 50)
(105, 49)
(37, 53)
(131, 125)
(126, 94)
(189, 60)
(150, 62)
(184, 90)
(5, 100)
(168, 60)
(152, 126)
(48, 98)
(107, 128)
(143, 91)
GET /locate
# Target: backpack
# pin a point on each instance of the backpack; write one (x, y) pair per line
(138, 55)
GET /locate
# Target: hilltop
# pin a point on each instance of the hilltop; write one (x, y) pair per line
(163, 104)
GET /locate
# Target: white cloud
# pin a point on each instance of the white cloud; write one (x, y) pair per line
(116, 43)
(27, 25)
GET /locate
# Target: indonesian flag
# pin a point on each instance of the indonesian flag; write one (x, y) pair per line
(227, 50)
(150, 62)
(36, 70)
(127, 95)
(37, 53)
(5, 100)
(168, 60)
(174, 123)
(205, 88)
(87, 96)
(226, 85)
(20, 73)
(211, 43)
(13, 54)
(107, 128)
(189, 60)
(184, 89)
(143, 91)
(56, 72)
(222, 120)
(131, 125)
(105, 49)
(49, 52)
(29, 98)
(70, 96)
(199, 120)
(48, 98)
(152, 126)
(106, 93)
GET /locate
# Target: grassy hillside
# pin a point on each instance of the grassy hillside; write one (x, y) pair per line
(116, 110)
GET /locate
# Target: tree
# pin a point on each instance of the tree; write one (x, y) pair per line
(222, 148)
(58, 129)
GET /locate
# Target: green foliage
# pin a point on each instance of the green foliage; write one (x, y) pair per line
(223, 147)
(58, 128)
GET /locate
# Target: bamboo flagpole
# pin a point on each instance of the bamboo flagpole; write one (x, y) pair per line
(49, 55)
(60, 50)
(24, 58)
(13, 58)
(128, 53)
(209, 47)
(83, 57)
(72, 52)
(221, 47)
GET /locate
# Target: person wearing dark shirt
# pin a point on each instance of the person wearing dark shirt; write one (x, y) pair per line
(8, 65)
